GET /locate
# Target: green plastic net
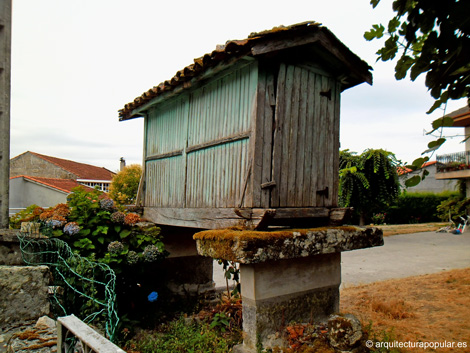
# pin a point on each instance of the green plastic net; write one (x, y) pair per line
(81, 287)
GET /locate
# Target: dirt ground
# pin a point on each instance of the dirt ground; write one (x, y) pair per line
(428, 308)
(394, 229)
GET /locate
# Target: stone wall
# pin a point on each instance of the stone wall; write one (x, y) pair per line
(29, 164)
(24, 293)
(10, 253)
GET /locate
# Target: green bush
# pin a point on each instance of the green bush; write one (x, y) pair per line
(416, 208)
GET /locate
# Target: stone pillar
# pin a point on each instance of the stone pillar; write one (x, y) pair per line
(287, 275)
(5, 72)
(277, 292)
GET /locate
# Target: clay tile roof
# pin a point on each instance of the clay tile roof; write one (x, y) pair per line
(233, 50)
(82, 170)
(65, 185)
(405, 170)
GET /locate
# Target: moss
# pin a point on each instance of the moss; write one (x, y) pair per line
(252, 235)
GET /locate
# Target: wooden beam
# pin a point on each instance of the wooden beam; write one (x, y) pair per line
(164, 155)
(221, 141)
(217, 218)
(281, 44)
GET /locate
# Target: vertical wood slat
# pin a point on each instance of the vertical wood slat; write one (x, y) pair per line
(269, 106)
(336, 147)
(285, 134)
(293, 168)
(309, 139)
(277, 142)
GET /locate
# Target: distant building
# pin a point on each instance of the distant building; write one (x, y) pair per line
(38, 165)
(456, 166)
(44, 192)
(46, 181)
(430, 183)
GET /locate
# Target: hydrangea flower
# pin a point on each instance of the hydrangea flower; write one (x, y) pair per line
(131, 219)
(152, 297)
(107, 204)
(151, 253)
(71, 228)
(118, 217)
(115, 247)
(57, 221)
(132, 257)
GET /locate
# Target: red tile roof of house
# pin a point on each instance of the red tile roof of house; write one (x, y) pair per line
(65, 185)
(405, 170)
(82, 170)
(257, 44)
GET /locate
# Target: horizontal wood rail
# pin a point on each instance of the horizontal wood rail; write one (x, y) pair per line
(90, 340)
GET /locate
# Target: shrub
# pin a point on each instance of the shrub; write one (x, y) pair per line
(416, 208)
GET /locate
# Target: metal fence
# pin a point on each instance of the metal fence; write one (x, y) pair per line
(453, 161)
(80, 286)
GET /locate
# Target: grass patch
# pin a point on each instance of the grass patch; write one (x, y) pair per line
(184, 335)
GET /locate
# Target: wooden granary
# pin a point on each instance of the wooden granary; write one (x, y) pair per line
(248, 134)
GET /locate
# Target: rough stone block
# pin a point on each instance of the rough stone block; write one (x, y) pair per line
(24, 293)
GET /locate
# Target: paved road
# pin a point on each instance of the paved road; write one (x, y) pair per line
(406, 255)
(402, 256)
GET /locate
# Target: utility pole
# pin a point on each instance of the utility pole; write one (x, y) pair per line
(5, 75)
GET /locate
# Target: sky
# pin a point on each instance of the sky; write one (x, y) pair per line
(75, 63)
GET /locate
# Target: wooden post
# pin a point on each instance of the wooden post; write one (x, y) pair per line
(5, 69)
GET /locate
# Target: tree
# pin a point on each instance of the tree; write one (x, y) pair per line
(368, 182)
(125, 185)
(431, 37)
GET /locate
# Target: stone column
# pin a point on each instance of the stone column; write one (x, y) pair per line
(277, 292)
(5, 69)
(287, 275)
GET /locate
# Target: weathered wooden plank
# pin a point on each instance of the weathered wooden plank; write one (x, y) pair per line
(215, 218)
(164, 155)
(291, 162)
(257, 141)
(309, 139)
(323, 142)
(205, 218)
(282, 43)
(286, 130)
(277, 140)
(301, 144)
(89, 337)
(317, 153)
(269, 108)
(336, 148)
(300, 212)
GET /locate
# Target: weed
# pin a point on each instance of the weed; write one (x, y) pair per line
(183, 335)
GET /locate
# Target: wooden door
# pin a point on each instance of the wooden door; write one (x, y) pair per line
(305, 149)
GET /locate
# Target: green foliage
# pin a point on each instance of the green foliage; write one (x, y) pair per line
(220, 321)
(30, 214)
(184, 336)
(101, 232)
(416, 207)
(125, 184)
(368, 182)
(453, 208)
(231, 272)
(431, 37)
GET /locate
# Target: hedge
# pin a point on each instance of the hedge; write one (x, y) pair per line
(416, 208)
